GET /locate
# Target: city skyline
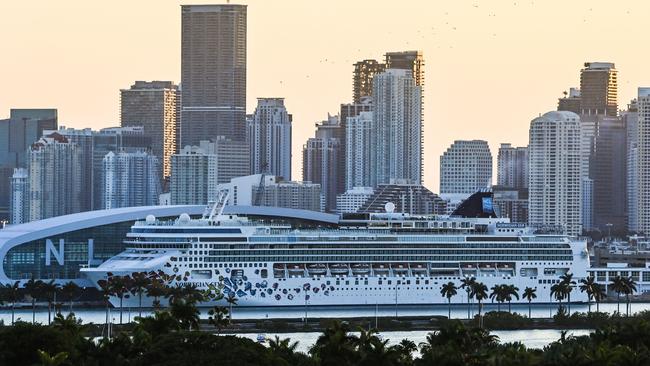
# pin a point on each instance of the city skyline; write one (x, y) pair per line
(459, 39)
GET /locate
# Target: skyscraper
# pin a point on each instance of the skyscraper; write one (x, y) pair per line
(213, 72)
(570, 102)
(599, 89)
(607, 170)
(397, 128)
(643, 172)
(269, 134)
(364, 72)
(554, 166)
(465, 168)
(23, 128)
(197, 170)
(512, 166)
(19, 196)
(54, 177)
(94, 145)
(130, 179)
(630, 119)
(358, 151)
(408, 60)
(154, 105)
(321, 159)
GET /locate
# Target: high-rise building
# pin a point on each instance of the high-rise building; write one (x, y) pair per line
(269, 190)
(570, 102)
(23, 128)
(19, 196)
(352, 200)
(213, 72)
(511, 203)
(512, 166)
(554, 152)
(364, 72)
(54, 166)
(197, 170)
(359, 148)
(130, 180)
(630, 119)
(396, 138)
(599, 89)
(408, 60)
(94, 145)
(607, 169)
(643, 172)
(466, 167)
(154, 105)
(321, 158)
(269, 135)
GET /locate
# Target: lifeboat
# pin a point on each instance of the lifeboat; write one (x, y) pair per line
(296, 269)
(317, 269)
(418, 268)
(381, 269)
(360, 268)
(338, 269)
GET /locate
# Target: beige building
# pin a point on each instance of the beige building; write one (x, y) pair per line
(155, 106)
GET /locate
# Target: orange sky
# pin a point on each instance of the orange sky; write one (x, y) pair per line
(491, 66)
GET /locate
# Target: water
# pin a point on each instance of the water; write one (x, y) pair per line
(458, 311)
(536, 338)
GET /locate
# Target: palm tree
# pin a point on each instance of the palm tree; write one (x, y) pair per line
(69, 290)
(231, 300)
(480, 291)
(497, 295)
(529, 294)
(49, 290)
(11, 293)
(588, 285)
(186, 313)
(468, 283)
(106, 291)
(139, 283)
(335, 346)
(599, 294)
(511, 291)
(49, 360)
(449, 290)
(218, 316)
(34, 290)
(156, 289)
(282, 349)
(558, 291)
(629, 289)
(119, 286)
(618, 285)
(569, 283)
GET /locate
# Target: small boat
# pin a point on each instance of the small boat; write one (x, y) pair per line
(339, 269)
(360, 268)
(317, 269)
(261, 338)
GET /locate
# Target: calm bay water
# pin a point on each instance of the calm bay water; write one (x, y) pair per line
(531, 338)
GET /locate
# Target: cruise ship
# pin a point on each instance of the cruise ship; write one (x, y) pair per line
(384, 258)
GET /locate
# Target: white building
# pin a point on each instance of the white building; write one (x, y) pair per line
(465, 168)
(19, 196)
(643, 172)
(358, 152)
(269, 190)
(554, 162)
(396, 135)
(55, 173)
(197, 170)
(130, 180)
(352, 200)
(269, 134)
(512, 166)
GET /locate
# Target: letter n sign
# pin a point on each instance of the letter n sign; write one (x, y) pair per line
(50, 250)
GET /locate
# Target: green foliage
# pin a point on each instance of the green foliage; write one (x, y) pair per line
(504, 320)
